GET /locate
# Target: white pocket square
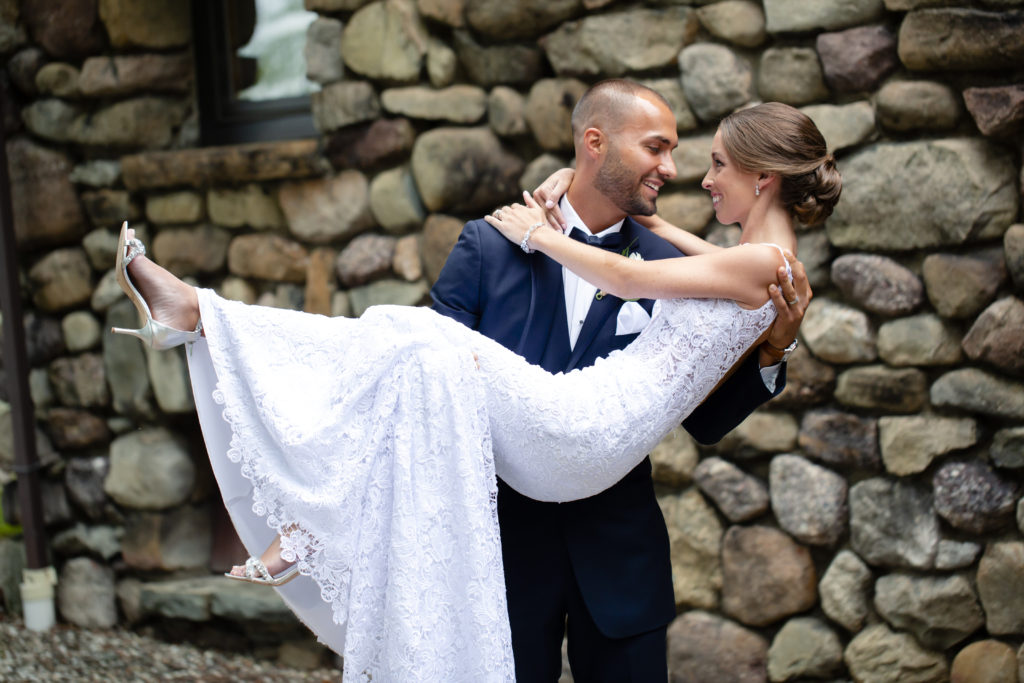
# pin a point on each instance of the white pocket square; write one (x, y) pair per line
(632, 318)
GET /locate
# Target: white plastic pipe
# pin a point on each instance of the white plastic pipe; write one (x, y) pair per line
(37, 598)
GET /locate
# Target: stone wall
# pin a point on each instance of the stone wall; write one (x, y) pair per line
(867, 524)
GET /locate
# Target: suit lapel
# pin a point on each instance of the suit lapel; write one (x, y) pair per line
(541, 329)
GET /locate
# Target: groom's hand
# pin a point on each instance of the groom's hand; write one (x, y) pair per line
(790, 299)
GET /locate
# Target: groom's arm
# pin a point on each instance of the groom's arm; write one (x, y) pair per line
(456, 293)
(735, 399)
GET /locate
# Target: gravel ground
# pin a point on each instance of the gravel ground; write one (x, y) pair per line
(68, 653)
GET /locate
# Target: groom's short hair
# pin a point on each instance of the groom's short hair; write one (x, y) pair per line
(603, 105)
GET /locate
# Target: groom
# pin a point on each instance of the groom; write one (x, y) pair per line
(598, 567)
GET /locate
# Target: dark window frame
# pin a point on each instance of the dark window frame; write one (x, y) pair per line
(224, 119)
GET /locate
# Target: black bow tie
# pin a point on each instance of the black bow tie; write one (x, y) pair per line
(610, 241)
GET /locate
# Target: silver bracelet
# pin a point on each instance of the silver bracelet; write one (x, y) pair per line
(525, 244)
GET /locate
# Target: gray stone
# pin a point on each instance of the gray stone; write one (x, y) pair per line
(85, 594)
(923, 339)
(394, 201)
(385, 40)
(322, 210)
(674, 459)
(879, 654)
(791, 75)
(442, 63)
(101, 247)
(44, 203)
(96, 173)
(129, 597)
(904, 196)
(809, 501)
(804, 646)
(184, 206)
(81, 331)
(1013, 246)
(893, 524)
(705, 647)
(877, 284)
(168, 371)
(716, 80)
(997, 336)
(147, 122)
(740, 22)
(548, 109)
(128, 74)
(386, 292)
(760, 432)
(972, 497)
(62, 279)
(526, 18)
(102, 541)
(917, 105)
(58, 79)
(538, 170)
(180, 599)
(840, 439)
(250, 205)
(972, 39)
(789, 16)
(109, 293)
(845, 591)
(323, 51)
(1001, 587)
(440, 233)
(1007, 448)
(672, 90)
(695, 535)
(239, 601)
(107, 207)
(464, 169)
(154, 24)
(80, 381)
(690, 211)
(506, 112)
(125, 363)
(808, 381)
(985, 660)
(856, 60)
(738, 495)
(878, 387)
(343, 103)
(910, 443)
(149, 470)
(12, 566)
(838, 333)
(692, 159)
(499, 64)
(619, 43)
(939, 610)
(956, 554)
(190, 251)
(766, 576)
(450, 12)
(465, 104)
(83, 479)
(843, 125)
(980, 392)
(406, 261)
(959, 286)
(64, 28)
(365, 258)
(168, 541)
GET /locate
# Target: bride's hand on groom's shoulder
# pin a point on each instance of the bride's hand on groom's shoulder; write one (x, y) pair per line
(549, 192)
(516, 221)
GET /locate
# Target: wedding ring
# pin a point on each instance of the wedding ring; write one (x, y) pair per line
(497, 214)
(795, 301)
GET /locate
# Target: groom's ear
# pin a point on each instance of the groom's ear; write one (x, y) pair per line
(594, 142)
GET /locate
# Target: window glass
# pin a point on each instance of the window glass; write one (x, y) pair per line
(275, 50)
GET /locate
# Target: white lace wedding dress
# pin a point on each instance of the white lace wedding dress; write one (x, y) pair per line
(375, 443)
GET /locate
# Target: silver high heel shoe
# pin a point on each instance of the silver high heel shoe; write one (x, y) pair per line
(256, 572)
(154, 334)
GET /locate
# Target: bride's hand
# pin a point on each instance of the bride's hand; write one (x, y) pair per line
(514, 222)
(550, 191)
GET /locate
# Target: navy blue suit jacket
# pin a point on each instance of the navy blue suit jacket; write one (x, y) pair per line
(617, 540)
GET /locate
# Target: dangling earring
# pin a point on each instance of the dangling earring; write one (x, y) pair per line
(757, 190)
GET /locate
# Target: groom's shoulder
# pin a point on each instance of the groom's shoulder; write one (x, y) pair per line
(490, 242)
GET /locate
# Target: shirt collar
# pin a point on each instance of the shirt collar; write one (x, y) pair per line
(573, 219)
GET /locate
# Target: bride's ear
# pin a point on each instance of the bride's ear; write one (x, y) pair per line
(765, 180)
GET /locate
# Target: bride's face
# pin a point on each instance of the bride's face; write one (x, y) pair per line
(731, 188)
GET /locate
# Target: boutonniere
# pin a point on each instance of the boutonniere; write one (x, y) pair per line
(635, 255)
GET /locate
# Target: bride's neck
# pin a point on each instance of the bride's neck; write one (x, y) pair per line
(773, 225)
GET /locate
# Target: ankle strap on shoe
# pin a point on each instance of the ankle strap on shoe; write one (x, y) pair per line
(135, 248)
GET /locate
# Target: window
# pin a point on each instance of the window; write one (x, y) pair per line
(250, 70)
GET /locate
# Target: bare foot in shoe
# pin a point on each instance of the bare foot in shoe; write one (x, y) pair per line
(170, 301)
(271, 559)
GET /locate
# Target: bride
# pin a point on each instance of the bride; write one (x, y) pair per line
(362, 454)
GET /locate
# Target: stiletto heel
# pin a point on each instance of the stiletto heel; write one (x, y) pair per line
(153, 333)
(256, 572)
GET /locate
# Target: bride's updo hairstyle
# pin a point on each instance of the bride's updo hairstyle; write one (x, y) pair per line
(776, 138)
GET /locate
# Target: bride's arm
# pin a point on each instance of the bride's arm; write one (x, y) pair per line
(742, 274)
(684, 241)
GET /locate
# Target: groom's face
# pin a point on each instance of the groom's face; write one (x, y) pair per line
(638, 157)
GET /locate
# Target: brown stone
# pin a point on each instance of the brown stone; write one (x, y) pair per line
(65, 28)
(328, 209)
(997, 335)
(80, 382)
(857, 59)
(766, 576)
(959, 286)
(71, 428)
(498, 64)
(344, 103)
(62, 279)
(268, 257)
(366, 146)
(984, 661)
(971, 39)
(879, 387)
(705, 647)
(526, 18)
(1013, 247)
(320, 282)
(446, 11)
(43, 201)
(128, 74)
(109, 207)
(365, 258)
(548, 109)
(211, 166)
(407, 261)
(841, 439)
(997, 111)
(808, 381)
(154, 23)
(189, 251)
(440, 233)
